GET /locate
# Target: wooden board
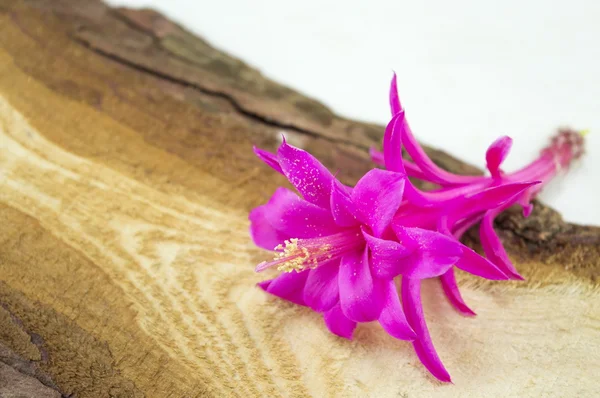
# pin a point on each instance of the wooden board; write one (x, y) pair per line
(126, 269)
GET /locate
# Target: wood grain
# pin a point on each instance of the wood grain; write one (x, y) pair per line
(126, 269)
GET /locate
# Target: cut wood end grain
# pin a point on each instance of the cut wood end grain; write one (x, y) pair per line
(125, 264)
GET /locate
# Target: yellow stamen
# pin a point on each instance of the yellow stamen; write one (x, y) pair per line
(584, 132)
(298, 258)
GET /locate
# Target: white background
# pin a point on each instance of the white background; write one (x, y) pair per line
(468, 71)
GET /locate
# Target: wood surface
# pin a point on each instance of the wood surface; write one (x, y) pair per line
(126, 269)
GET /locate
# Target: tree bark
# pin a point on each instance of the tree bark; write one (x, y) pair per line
(126, 269)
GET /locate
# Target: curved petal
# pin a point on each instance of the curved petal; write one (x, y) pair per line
(306, 173)
(430, 170)
(376, 156)
(338, 324)
(432, 255)
(269, 158)
(411, 302)
(471, 198)
(487, 199)
(496, 153)
(451, 289)
(377, 196)
(459, 229)
(493, 248)
(264, 285)
(296, 217)
(392, 153)
(321, 291)
(392, 144)
(395, 105)
(527, 209)
(442, 196)
(360, 296)
(392, 317)
(423, 266)
(475, 264)
(386, 256)
(398, 134)
(262, 232)
(342, 208)
(288, 286)
(412, 170)
(410, 215)
(525, 202)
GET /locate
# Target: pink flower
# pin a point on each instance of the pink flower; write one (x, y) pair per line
(324, 243)
(340, 248)
(565, 147)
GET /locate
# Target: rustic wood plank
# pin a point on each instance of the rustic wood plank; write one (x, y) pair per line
(125, 265)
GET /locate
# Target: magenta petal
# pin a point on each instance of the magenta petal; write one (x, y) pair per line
(451, 289)
(430, 170)
(392, 152)
(376, 156)
(412, 170)
(398, 133)
(459, 229)
(288, 286)
(392, 317)
(264, 285)
(395, 105)
(411, 302)
(496, 154)
(342, 208)
(338, 324)
(296, 217)
(377, 197)
(321, 291)
(525, 201)
(493, 248)
(475, 264)
(527, 209)
(410, 215)
(432, 252)
(306, 173)
(262, 232)
(386, 256)
(392, 144)
(488, 199)
(360, 296)
(269, 158)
